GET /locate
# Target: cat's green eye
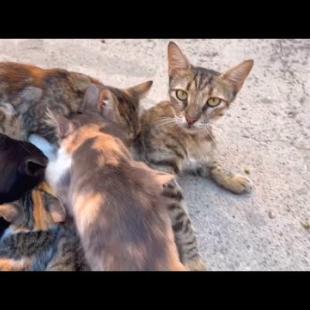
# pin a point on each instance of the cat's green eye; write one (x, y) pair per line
(213, 102)
(181, 94)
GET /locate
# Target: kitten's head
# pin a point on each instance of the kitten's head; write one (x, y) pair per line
(201, 95)
(22, 167)
(35, 211)
(120, 106)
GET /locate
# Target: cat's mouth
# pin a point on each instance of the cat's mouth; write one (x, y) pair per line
(193, 127)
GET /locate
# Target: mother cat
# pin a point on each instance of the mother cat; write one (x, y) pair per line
(176, 135)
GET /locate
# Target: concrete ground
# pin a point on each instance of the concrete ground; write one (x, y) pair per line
(266, 132)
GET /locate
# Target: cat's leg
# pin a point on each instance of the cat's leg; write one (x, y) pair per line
(184, 234)
(235, 183)
(165, 162)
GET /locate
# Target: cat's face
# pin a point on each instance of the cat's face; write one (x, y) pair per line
(118, 105)
(200, 95)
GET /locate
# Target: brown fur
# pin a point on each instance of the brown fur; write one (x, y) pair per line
(26, 92)
(127, 230)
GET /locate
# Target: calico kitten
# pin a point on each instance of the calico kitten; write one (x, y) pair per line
(134, 225)
(37, 240)
(176, 135)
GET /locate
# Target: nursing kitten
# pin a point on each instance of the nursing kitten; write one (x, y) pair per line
(22, 167)
(26, 92)
(127, 230)
(36, 239)
(176, 135)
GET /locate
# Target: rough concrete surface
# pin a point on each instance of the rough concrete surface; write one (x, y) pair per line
(266, 132)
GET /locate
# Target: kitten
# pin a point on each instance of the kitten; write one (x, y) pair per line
(26, 92)
(22, 167)
(37, 240)
(117, 203)
(176, 135)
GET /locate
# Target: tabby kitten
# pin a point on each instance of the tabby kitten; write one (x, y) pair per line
(37, 240)
(176, 136)
(27, 91)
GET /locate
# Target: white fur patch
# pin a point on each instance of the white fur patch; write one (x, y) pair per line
(48, 149)
(58, 167)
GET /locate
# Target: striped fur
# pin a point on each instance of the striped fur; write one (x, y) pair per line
(176, 135)
(34, 242)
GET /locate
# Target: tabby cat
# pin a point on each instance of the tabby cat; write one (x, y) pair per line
(37, 240)
(27, 91)
(176, 135)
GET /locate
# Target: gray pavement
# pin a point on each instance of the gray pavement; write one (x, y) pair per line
(266, 132)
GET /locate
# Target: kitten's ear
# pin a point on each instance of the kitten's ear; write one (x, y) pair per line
(9, 212)
(108, 104)
(140, 90)
(57, 211)
(91, 98)
(34, 167)
(99, 100)
(63, 126)
(176, 59)
(237, 75)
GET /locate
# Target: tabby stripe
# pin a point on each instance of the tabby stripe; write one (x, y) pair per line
(169, 163)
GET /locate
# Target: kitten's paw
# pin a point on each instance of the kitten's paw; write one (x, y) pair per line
(240, 184)
(173, 190)
(196, 265)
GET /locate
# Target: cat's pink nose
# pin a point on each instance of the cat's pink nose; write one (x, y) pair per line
(191, 121)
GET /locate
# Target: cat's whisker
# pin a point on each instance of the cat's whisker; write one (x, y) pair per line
(166, 121)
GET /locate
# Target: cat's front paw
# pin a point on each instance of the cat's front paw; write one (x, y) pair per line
(240, 184)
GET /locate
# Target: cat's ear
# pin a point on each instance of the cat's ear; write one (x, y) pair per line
(140, 90)
(177, 61)
(34, 166)
(99, 100)
(9, 212)
(91, 98)
(57, 211)
(63, 126)
(237, 75)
